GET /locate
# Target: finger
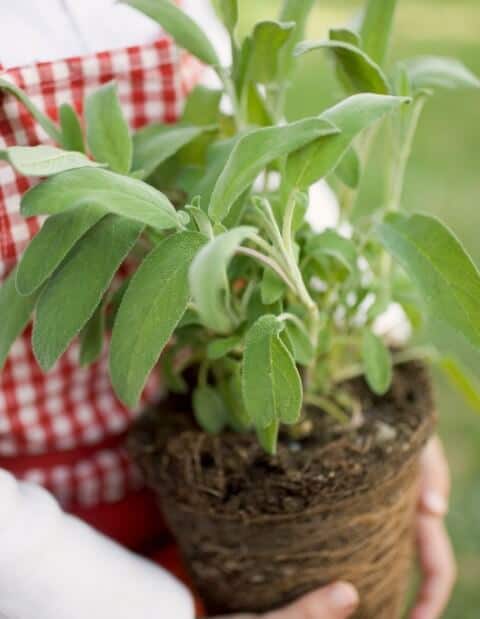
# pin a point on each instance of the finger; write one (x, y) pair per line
(438, 568)
(337, 601)
(435, 480)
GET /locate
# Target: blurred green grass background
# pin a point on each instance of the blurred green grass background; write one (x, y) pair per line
(443, 178)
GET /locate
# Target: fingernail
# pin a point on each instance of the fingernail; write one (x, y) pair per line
(435, 503)
(343, 596)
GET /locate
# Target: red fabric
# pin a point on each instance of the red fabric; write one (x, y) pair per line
(65, 430)
(134, 522)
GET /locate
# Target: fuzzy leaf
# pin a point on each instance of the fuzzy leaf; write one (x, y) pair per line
(272, 287)
(377, 362)
(313, 162)
(272, 387)
(303, 351)
(376, 28)
(330, 243)
(108, 135)
(73, 293)
(44, 121)
(177, 23)
(46, 160)
(49, 247)
(222, 346)
(15, 311)
(72, 133)
(202, 106)
(156, 143)
(444, 273)
(363, 73)
(349, 169)
(254, 152)
(151, 308)
(227, 10)
(93, 186)
(268, 39)
(208, 278)
(91, 337)
(210, 410)
(439, 72)
(239, 418)
(257, 111)
(268, 437)
(217, 156)
(345, 36)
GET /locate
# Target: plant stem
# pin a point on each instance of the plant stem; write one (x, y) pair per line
(267, 261)
(327, 405)
(399, 164)
(226, 79)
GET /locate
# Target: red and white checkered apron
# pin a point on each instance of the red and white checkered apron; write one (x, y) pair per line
(64, 430)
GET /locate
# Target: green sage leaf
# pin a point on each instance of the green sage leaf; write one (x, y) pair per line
(331, 243)
(94, 186)
(44, 121)
(446, 277)
(151, 309)
(272, 287)
(314, 161)
(210, 410)
(238, 416)
(46, 160)
(15, 310)
(345, 36)
(209, 282)
(427, 72)
(272, 387)
(108, 135)
(268, 39)
(202, 106)
(217, 156)
(73, 293)
(72, 133)
(52, 243)
(302, 347)
(227, 10)
(156, 143)
(268, 437)
(257, 111)
(183, 29)
(349, 170)
(377, 361)
(91, 337)
(221, 347)
(254, 152)
(363, 73)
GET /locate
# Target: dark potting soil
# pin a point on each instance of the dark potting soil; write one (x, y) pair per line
(257, 532)
(231, 474)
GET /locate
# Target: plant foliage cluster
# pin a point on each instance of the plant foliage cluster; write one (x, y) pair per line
(230, 276)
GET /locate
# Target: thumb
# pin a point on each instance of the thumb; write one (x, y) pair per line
(337, 601)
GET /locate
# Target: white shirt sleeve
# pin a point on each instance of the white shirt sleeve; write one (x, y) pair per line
(55, 29)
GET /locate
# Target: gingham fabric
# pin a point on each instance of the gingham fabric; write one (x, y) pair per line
(74, 410)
